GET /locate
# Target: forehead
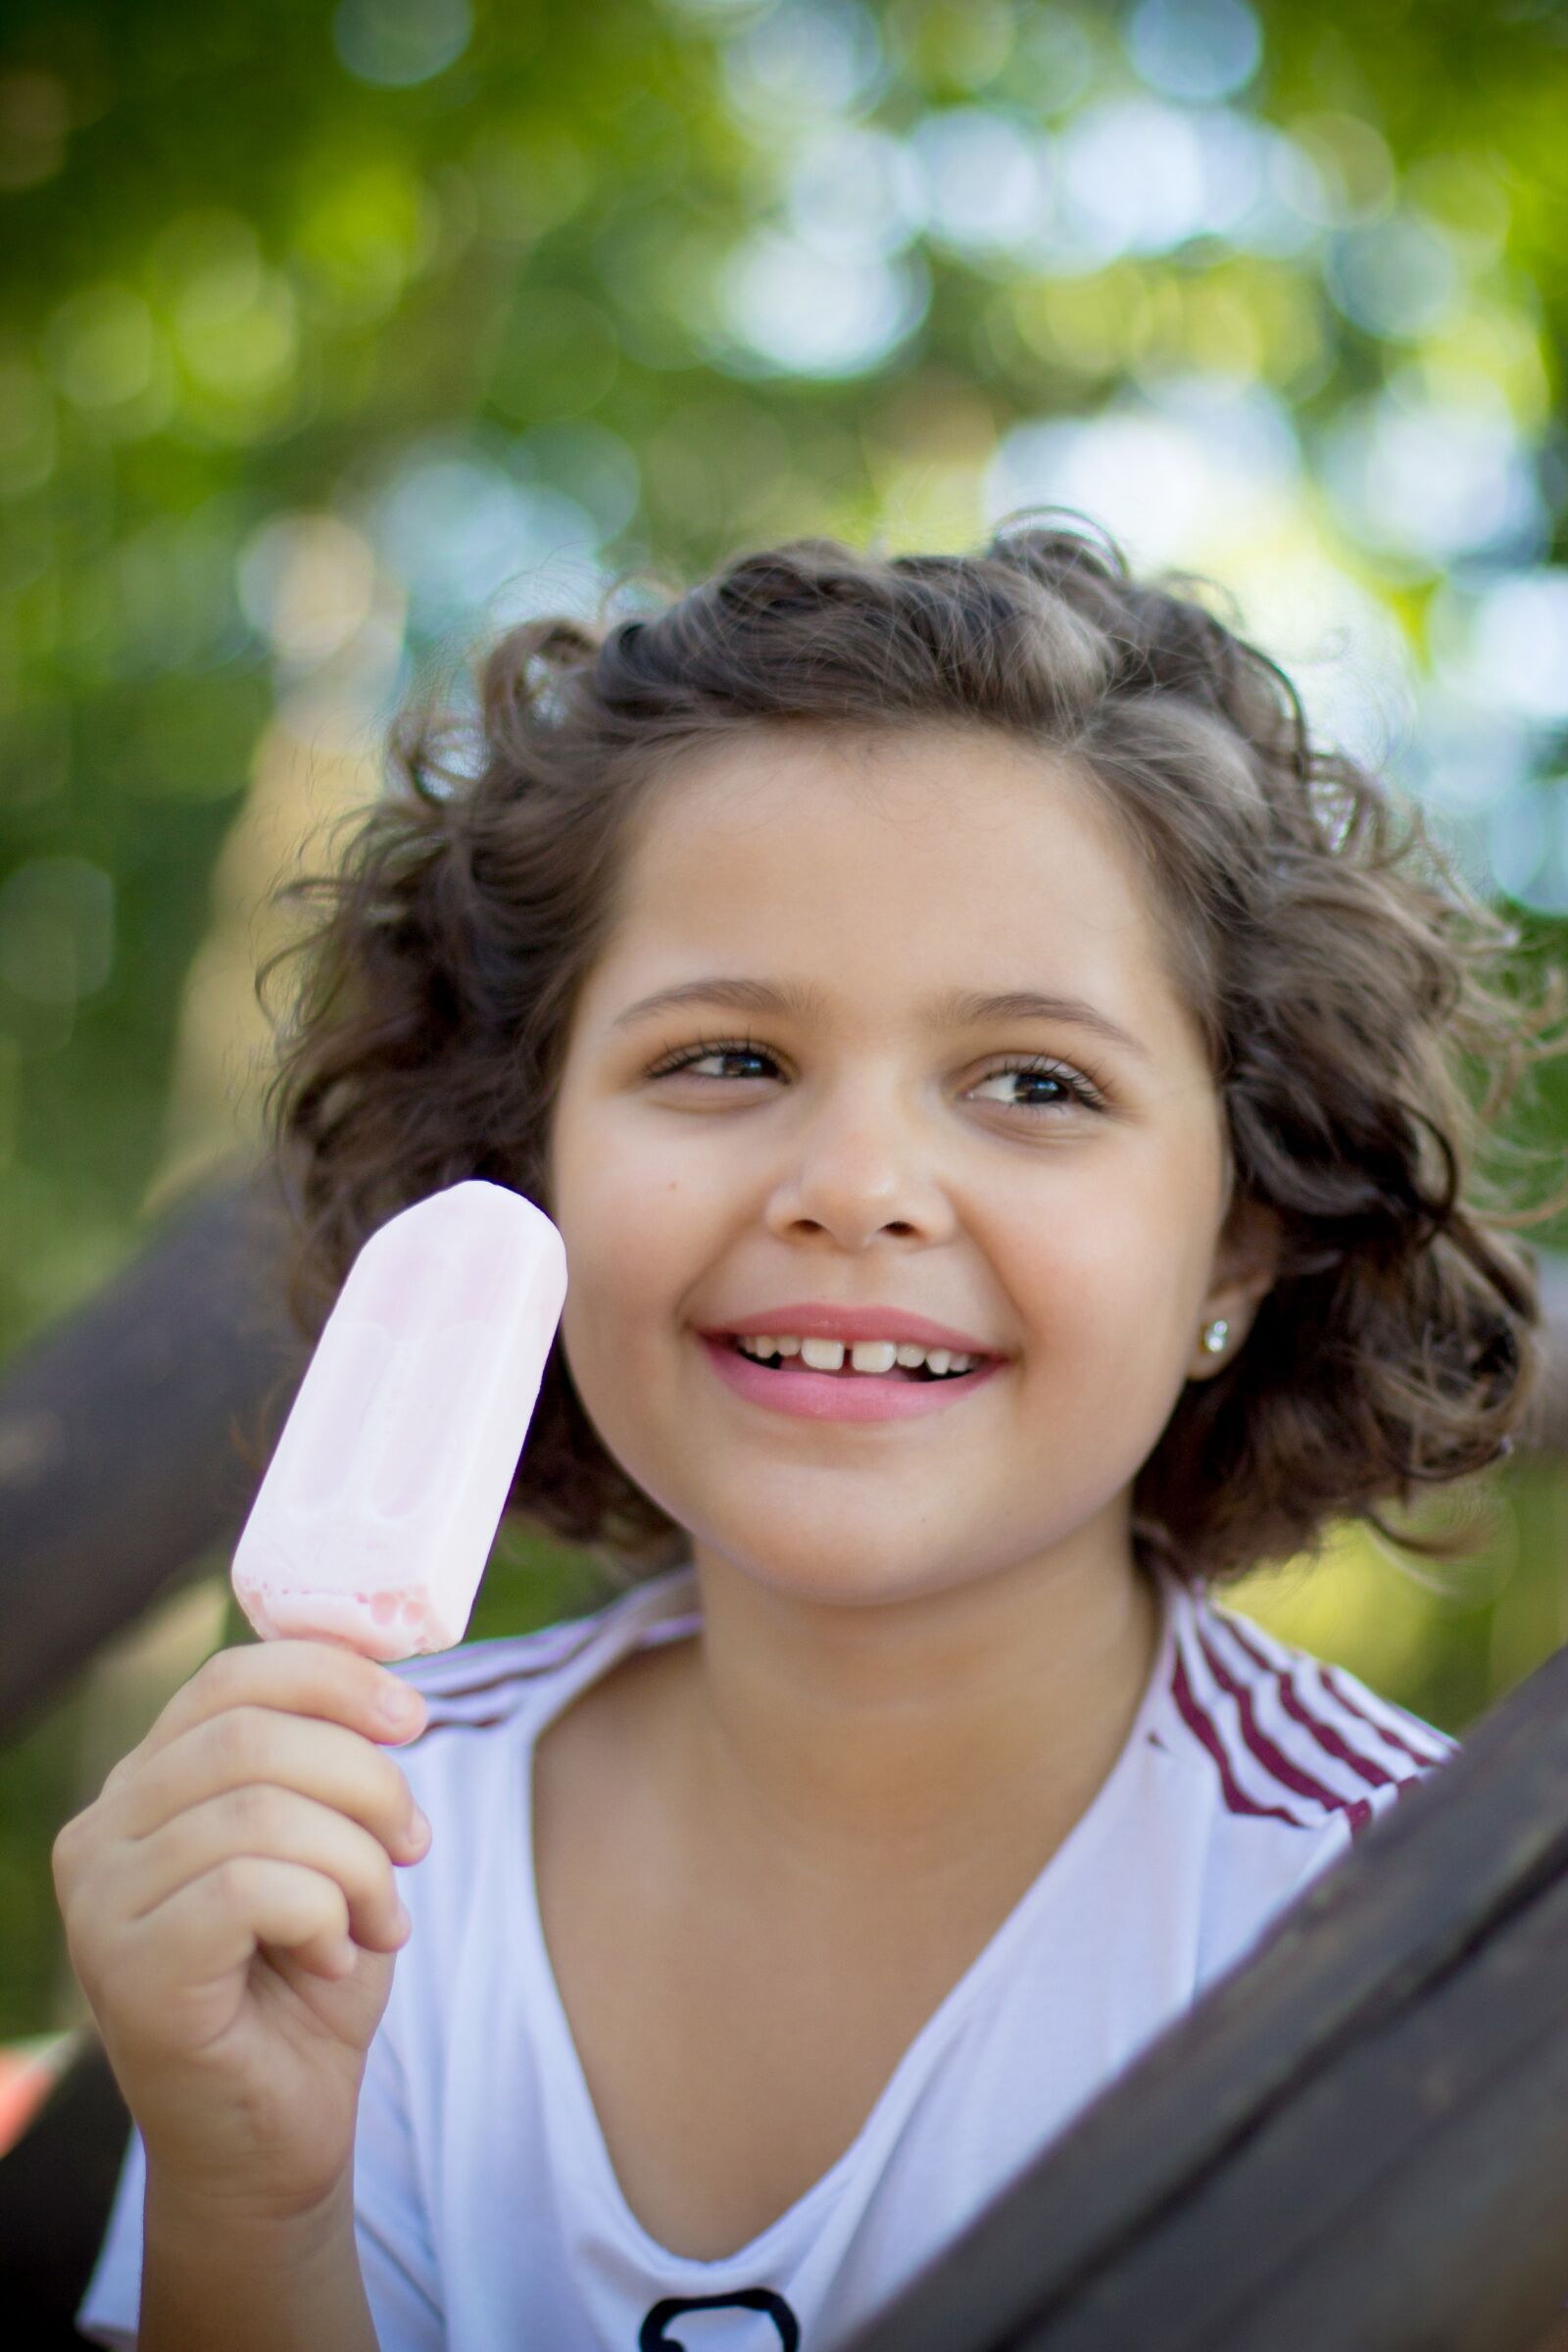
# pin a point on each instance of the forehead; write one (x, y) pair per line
(943, 855)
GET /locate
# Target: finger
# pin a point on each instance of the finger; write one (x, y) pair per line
(267, 1824)
(260, 1746)
(297, 1678)
(214, 1924)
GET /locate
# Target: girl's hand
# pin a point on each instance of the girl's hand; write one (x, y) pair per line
(231, 1913)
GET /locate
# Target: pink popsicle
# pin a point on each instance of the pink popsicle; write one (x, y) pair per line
(381, 1503)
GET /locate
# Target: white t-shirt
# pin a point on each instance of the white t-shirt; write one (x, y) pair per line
(489, 2217)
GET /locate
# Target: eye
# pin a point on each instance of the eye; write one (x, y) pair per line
(1056, 1086)
(1071, 1090)
(711, 1049)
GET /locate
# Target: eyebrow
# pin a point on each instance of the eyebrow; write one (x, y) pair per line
(955, 1008)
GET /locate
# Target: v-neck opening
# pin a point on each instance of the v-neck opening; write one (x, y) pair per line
(567, 2071)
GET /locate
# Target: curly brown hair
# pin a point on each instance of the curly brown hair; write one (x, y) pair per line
(1365, 1024)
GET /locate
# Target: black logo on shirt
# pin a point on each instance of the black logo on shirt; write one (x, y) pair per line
(652, 2338)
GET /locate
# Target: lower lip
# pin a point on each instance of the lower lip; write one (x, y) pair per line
(842, 1395)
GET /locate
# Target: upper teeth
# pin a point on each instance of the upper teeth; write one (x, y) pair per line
(865, 1355)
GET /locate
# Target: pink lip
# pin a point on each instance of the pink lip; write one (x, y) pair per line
(837, 1396)
(821, 1320)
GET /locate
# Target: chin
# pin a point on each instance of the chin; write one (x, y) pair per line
(836, 1570)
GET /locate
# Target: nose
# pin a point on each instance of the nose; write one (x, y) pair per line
(858, 1171)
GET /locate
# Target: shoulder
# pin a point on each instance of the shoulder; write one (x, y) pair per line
(1288, 1738)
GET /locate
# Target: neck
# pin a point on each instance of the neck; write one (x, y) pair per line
(927, 1735)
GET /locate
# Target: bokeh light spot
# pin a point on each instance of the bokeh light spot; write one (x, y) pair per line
(814, 313)
(57, 930)
(1195, 49)
(1051, 62)
(238, 337)
(1353, 177)
(1396, 278)
(855, 190)
(1347, 654)
(467, 540)
(952, 44)
(307, 583)
(1194, 470)
(986, 179)
(400, 42)
(1519, 643)
(717, 13)
(804, 58)
(364, 230)
(1432, 480)
(99, 347)
(590, 465)
(1131, 179)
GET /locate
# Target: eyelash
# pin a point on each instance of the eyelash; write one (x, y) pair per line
(1086, 1094)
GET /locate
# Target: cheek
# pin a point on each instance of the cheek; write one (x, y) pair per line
(636, 1244)
(636, 1237)
(1115, 1271)
(636, 1187)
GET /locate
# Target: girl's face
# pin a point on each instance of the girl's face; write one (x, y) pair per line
(1050, 1182)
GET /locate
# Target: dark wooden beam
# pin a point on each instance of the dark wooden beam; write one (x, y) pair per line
(1358, 2141)
(121, 1435)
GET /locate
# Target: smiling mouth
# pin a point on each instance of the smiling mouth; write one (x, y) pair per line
(919, 1373)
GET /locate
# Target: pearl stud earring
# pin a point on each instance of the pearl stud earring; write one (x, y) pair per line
(1215, 1334)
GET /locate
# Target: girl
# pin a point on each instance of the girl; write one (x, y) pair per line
(1004, 1095)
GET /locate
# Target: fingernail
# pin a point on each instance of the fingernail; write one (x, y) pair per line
(418, 1829)
(399, 1706)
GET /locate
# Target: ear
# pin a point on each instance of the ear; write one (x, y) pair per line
(1245, 1262)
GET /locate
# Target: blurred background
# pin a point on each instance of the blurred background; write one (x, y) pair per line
(333, 338)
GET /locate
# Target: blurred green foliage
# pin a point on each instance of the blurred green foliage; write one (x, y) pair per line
(330, 334)
(282, 262)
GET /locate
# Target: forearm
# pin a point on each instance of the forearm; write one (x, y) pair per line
(214, 2283)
